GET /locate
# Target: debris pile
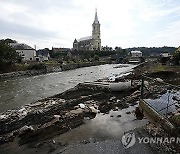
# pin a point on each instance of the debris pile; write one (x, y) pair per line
(62, 112)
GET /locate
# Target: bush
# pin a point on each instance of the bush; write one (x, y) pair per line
(176, 57)
(96, 57)
(38, 66)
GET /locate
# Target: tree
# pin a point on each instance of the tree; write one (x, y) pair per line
(9, 41)
(176, 57)
(96, 57)
(8, 55)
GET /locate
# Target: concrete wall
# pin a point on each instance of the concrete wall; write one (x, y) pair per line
(27, 54)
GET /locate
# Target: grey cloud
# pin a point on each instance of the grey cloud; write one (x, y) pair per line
(8, 28)
(40, 6)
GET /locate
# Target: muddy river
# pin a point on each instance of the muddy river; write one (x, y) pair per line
(22, 90)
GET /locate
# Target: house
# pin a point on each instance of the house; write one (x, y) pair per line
(26, 52)
(74, 54)
(42, 55)
(60, 50)
(165, 54)
(136, 53)
(136, 57)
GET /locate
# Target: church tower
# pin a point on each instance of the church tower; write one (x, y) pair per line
(96, 39)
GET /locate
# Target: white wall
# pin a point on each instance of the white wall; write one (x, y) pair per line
(136, 54)
(27, 54)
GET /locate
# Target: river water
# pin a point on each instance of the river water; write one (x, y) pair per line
(22, 90)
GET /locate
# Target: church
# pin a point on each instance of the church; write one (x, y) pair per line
(90, 42)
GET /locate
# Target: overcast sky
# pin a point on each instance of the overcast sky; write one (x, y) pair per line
(124, 23)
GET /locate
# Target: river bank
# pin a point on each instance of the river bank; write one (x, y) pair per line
(49, 69)
(35, 127)
(62, 105)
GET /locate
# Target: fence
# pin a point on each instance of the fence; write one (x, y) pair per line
(164, 98)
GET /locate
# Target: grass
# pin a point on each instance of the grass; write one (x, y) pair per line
(176, 119)
(50, 62)
(161, 68)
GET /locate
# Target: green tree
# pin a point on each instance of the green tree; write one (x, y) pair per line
(96, 57)
(8, 56)
(176, 57)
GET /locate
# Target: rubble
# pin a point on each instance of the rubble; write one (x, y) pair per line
(25, 129)
(65, 111)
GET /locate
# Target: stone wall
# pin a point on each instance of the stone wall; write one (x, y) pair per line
(79, 65)
(22, 73)
(49, 69)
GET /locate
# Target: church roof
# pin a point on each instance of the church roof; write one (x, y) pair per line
(96, 21)
(85, 38)
(75, 41)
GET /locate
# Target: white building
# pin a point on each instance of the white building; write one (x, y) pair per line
(136, 53)
(26, 52)
(165, 54)
(42, 55)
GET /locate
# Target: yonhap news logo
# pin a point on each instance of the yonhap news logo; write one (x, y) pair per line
(129, 139)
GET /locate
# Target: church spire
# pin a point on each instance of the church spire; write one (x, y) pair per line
(96, 18)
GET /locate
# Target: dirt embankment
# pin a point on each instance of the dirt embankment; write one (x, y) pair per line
(57, 114)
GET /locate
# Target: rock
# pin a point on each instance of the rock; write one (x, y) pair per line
(112, 98)
(53, 102)
(85, 142)
(50, 123)
(53, 141)
(57, 116)
(22, 113)
(36, 104)
(95, 106)
(159, 80)
(111, 116)
(81, 105)
(136, 93)
(115, 109)
(77, 111)
(146, 83)
(93, 110)
(86, 118)
(76, 107)
(3, 117)
(25, 129)
(118, 101)
(128, 112)
(112, 78)
(119, 116)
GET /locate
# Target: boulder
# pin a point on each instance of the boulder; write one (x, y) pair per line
(25, 129)
(93, 110)
(81, 105)
(159, 80)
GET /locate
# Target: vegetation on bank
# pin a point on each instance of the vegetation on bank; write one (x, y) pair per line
(176, 57)
(11, 61)
(153, 51)
(8, 56)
